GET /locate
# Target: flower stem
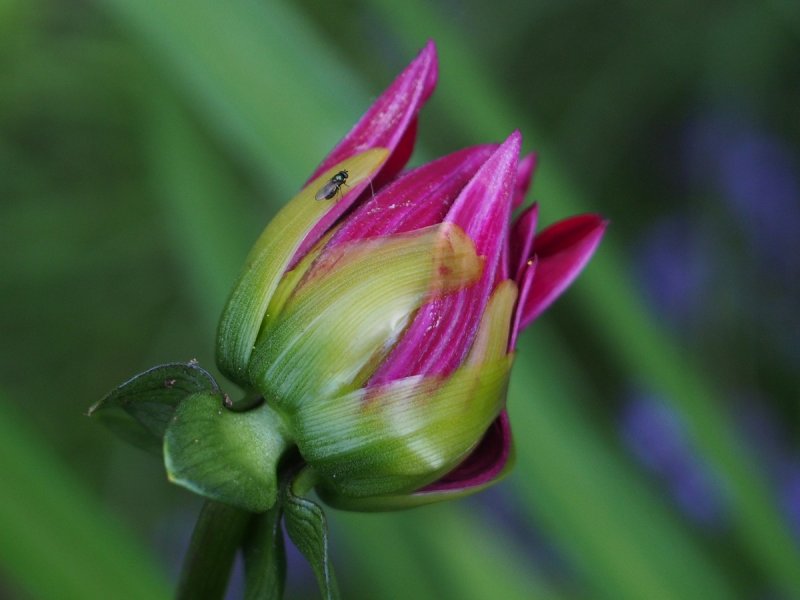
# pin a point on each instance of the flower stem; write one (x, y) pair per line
(216, 537)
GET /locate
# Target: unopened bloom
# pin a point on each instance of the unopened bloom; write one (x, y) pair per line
(379, 322)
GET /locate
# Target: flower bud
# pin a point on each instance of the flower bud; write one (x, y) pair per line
(377, 314)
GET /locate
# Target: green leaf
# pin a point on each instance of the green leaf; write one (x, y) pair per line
(265, 557)
(306, 525)
(58, 541)
(226, 456)
(443, 551)
(281, 141)
(140, 409)
(611, 539)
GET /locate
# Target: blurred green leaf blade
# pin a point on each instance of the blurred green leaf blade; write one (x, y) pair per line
(58, 541)
(266, 106)
(624, 539)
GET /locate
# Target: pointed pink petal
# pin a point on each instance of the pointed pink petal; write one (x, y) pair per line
(527, 165)
(523, 232)
(525, 283)
(389, 123)
(386, 122)
(418, 198)
(399, 156)
(484, 464)
(523, 183)
(563, 249)
(442, 332)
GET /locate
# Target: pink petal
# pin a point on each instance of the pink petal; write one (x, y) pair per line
(523, 182)
(563, 249)
(527, 165)
(418, 198)
(399, 156)
(521, 239)
(441, 334)
(525, 283)
(389, 118)
(389, 123)
(484, 464)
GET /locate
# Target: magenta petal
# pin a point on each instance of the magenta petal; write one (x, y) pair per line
(399, 156)
(563, 249)
(525, 283)
(418, 198)
(484, 464)
(523, 183)
(441, 334)
(482, 206)
(527, 165)
(385, 123)
(523, 232)
(389, 123)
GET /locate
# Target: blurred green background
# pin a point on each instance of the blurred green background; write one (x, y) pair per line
(144, 144)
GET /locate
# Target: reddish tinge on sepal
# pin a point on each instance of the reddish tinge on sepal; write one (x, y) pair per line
(484, 465)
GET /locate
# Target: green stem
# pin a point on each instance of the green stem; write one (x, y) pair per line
(265, 556)
(216, 537)
(305, 479)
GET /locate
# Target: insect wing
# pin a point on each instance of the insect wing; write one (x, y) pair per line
(327, 191)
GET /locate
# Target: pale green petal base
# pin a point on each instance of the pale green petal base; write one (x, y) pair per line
(246, 308)
(392, 502)
(349, 309)
(403, 436)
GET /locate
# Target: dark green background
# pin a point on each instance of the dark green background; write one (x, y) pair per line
(144, 144)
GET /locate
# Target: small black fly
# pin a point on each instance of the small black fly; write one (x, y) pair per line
(330, 189)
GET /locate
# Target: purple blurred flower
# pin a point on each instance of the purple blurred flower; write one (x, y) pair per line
(757, 175)
(675, 266)
(656, 435)
(744, 259)
(790, 496)
(507, 515)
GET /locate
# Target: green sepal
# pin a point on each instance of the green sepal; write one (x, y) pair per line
(246, 308)
(308, 529)
(392, 502)
(265, 556)
(140, 409)
(227, 456)
(351, 307)
(397, 438)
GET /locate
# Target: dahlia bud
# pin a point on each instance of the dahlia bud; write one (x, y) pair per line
(375, 322)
